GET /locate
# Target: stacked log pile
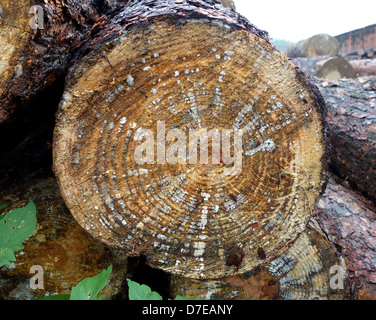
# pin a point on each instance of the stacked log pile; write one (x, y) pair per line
(303, 209)
(360, 54)
(320, 56)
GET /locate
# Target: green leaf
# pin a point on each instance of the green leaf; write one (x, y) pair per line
(89, 288)
(6, 256)
(184, 298)
(15, 228)
(55, 297)
(141, 292)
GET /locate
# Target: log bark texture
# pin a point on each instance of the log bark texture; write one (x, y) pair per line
(65, 251)
(364, 67)
(348, 220)
(33, 59)
(351, 121)
(193, 219)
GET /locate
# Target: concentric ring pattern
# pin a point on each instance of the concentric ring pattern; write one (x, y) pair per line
(127, 170)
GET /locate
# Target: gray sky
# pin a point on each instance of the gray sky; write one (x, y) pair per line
(297, 20)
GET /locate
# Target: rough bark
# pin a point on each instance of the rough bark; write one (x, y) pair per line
(348, 220)
(33, 59)
(65, 251)
(196, 220)
(351, 122)
(302, 273)
(364, 67)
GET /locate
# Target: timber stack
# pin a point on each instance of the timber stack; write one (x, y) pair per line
(319, 56)
(182, 136)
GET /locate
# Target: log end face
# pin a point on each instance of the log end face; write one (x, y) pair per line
(131, 178)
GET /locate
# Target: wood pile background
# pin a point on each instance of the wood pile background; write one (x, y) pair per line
(342, 226)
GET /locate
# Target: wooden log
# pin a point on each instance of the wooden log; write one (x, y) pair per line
(304, 272)
(295, 50)
(228, 4)
(364, 67)
(65, 251)
(321, 45)
(310, 66)
(318, 45)
(351, 122)
(195, 218)
(348, 220)
(326, 67)
(335, 69)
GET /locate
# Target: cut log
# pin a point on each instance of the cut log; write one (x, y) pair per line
(65, 251)
(364, 67)
(361, 52)
(141, 80)
(349, 221)
(228, 4)
(295, 50)
(310, 66)
(308, 268)
(335, 69)
(351, 122)
(318, 45)
(304, 272)
(321, 45)
(325, 67)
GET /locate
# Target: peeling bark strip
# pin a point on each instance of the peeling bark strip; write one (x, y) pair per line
(191, 65)
(352, 123)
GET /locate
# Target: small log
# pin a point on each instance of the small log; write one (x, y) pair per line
(318, 45)
(349, 221)
(364, 67)
(228, 4)
(189, 218)
(351, 119)
(304, 272)
(321, 45)
(335, 69)
(310, 66)
(65, 251)
(295, 50)
(325, 67)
